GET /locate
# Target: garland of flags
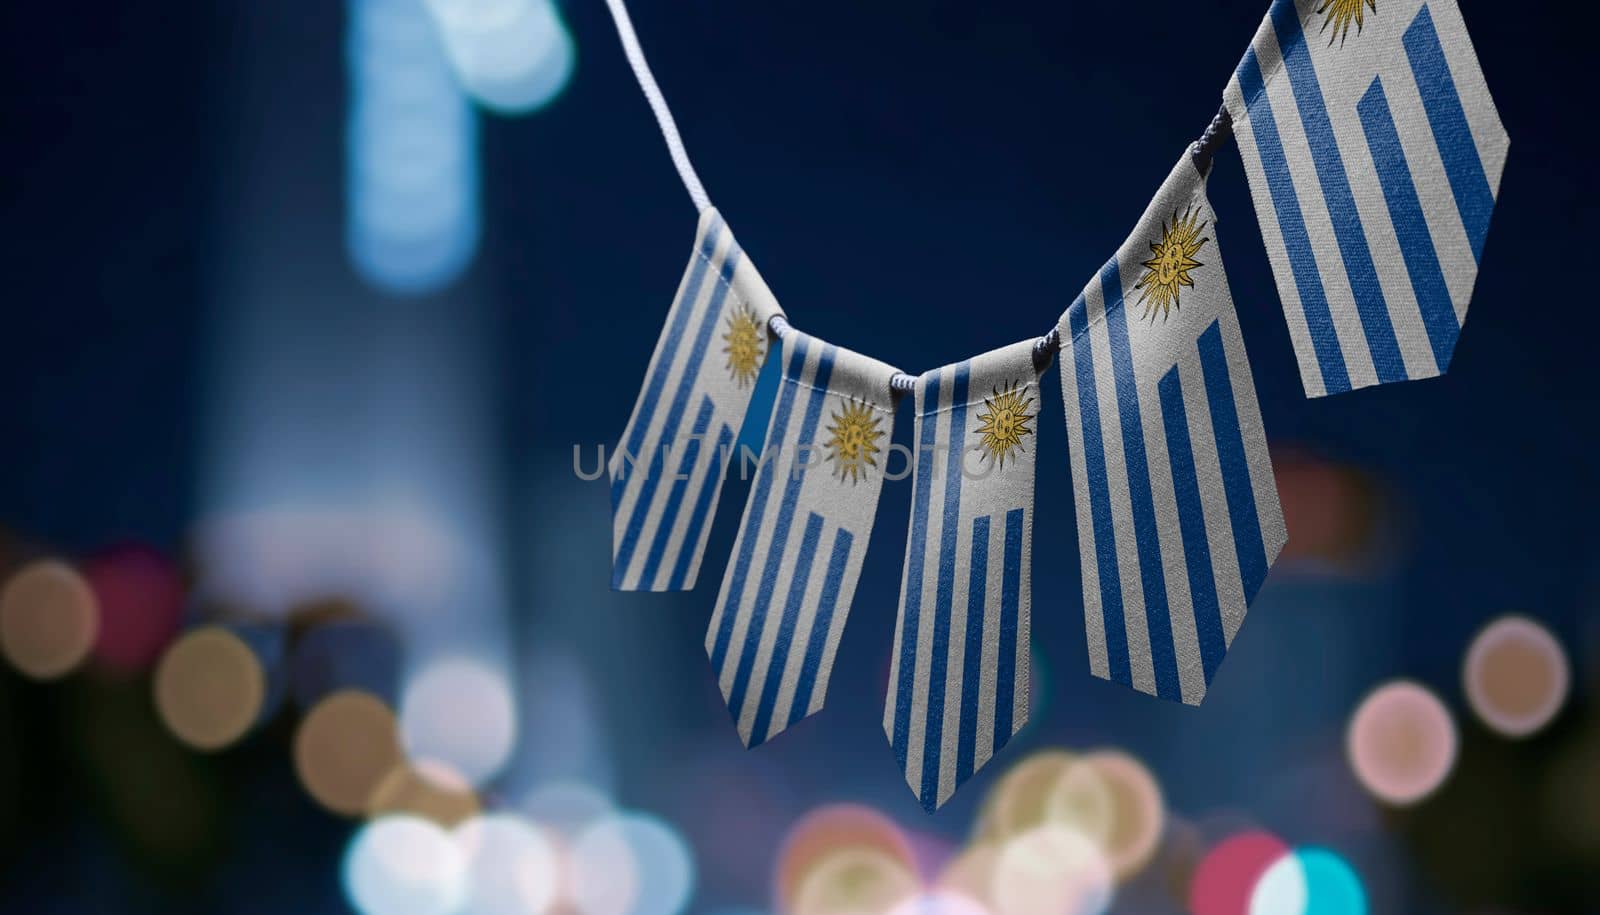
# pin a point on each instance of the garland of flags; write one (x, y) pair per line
(1374, 154)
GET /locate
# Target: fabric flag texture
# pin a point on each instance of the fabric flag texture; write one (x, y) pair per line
(1374, 154)
(667, 472)
(787, 588)
(1178, 517)
(958, 682)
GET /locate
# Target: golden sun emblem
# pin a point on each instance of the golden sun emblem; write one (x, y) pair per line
(1168, 272)
(853, 447)
(744, 347)
(1340, 13)
(1003, 427)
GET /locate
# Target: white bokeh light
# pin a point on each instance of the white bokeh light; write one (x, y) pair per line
(411, 139)
(512, 56)
(1051, 870)
(512, 869)
(460, 712)
(631, 864)
(404, 865)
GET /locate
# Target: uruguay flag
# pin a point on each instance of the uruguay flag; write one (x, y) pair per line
(788, 586)
(958, 680)
(1178, 517)
(666, 474)
(1374, 155)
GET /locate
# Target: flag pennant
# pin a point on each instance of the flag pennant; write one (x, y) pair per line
(1374, 155)
(958, 681)
(667, 472)
(787, 589)
(1178, 517)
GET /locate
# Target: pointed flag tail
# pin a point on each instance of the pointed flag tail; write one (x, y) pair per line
(788, 586)
(1178, 516)
(667, 472)
(1374, 154)
(958, 682)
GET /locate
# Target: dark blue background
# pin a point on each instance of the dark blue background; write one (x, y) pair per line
(920, 181)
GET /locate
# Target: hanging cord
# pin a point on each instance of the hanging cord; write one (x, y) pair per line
(1202, 152)
(1217, 133)
(658, 104)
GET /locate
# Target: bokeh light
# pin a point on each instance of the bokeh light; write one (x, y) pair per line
(1309, 881)
(1020, 800)
(1516, 676)
(631, 864)
(48, 619)
(460, 712)
(856, 880)
(210, 688)
(412, 152)
(140, 594)
(425, 788)
(1332, 513)
(402, 865)
(512, 868)
(828, 829)
(1136, 814)
(565, 806)
(344, 748)
(1226, 878)
(971, 872)
(1081, 800)
(512, 56)
(1401, 743)
(1051, 870)
(940, 902)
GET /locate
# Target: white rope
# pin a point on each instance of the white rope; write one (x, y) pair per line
(658, 104)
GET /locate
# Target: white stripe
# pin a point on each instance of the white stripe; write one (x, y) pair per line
(1024, 666)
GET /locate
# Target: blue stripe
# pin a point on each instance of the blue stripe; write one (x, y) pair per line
(1153, 577)
(1341, 204)
(972, 656)
(781, 646)
(680, 485)
(1235, 463)
(779, 547)
(916, 557)
(823, 624)
(1462, 162)
(680, 402)
(693, 537)
(750, 531)
(1192, 523)
(944, 593)
(1094, 468)
(1410, 226)
(682, 309)
(1292, 228)
(1010, 611)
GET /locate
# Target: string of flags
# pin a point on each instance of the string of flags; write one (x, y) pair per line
(1374, 154)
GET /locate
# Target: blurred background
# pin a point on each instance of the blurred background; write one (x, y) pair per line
(305, 608)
